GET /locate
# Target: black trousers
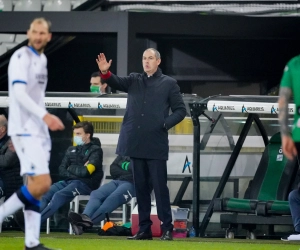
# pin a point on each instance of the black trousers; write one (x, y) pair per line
(150, 174)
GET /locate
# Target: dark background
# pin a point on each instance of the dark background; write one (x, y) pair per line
(212, 54)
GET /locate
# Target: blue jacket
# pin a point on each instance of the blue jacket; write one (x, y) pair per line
(144, 132)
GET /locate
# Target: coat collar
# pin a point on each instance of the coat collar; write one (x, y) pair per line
(156, 74)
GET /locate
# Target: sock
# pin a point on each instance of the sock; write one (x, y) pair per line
(10, 206)
(32, 218)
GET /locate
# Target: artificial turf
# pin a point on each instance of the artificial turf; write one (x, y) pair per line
(15, 241)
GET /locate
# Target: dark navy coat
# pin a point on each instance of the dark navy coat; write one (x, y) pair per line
(144, 131)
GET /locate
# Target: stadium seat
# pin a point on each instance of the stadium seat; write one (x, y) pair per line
(28, 5)
(132, 203)
(76, 3)
(268, 191)
(57, 5)
(6, 5)
(2, 49)
(20, 38)
(9, 46)
(10, 38)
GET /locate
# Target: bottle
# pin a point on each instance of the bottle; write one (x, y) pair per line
(192, 232)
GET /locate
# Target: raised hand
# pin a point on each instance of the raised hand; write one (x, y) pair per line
(103, 65)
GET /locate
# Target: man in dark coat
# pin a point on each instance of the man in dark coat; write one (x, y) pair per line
(144, 134)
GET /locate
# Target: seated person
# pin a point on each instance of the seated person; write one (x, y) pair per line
(81, 169)
(9, 163)
(97, 84)
(108, 197)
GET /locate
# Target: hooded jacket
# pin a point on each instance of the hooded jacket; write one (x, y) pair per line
(73, 164)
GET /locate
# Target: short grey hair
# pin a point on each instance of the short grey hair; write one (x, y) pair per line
(157, 54)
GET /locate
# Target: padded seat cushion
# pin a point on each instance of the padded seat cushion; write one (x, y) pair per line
(236, 205)
(278, 207)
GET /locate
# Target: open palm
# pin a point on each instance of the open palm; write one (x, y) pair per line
(102, 63)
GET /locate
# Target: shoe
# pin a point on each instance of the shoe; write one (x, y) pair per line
(19, 219)
(77, 230)
(167, 235)
(141, 236)
(295, 236)
(38, 247)
(81, 220)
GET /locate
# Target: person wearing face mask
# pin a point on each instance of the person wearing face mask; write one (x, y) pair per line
(10, 179)
(80, 169)
(97, 84)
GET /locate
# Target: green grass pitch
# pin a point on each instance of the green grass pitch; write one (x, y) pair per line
(64, 241)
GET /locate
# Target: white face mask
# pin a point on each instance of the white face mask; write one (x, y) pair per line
(78, 140)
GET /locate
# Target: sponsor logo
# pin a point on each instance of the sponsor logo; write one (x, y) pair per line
(255, 109)
(70, 105)
(280, 155)
(76, 192)
(99, 105)
(273, 110)
(41, 78)
(244, 109)
(81, 105)
(226, 108)
(290, 110)
(214, 109)
(186, 165)
(111, 106)
(52, 104)
(126, 196)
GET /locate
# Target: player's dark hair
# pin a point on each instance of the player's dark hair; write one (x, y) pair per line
(88, 127)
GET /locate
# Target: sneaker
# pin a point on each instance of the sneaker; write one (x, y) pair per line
(81, 220)
(38, 247)
(295, 236)
(77, 230)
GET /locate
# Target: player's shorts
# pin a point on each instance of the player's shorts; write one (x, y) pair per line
(33, 153)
